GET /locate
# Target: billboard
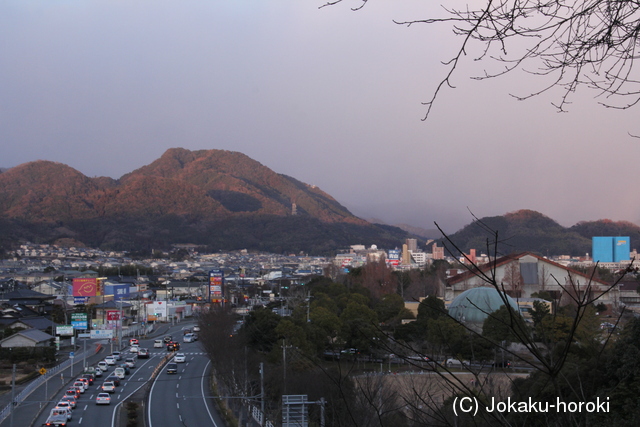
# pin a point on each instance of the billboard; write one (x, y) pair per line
(160, 309)
(79, 320)
(216, 285)
(64, 330)
(118, 291)
(85, 287)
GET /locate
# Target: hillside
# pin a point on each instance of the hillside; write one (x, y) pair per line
(527, 230)
(215, 198)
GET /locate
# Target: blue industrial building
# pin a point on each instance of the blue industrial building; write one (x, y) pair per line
(611, 249)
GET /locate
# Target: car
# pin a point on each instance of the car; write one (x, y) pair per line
(80, 386)
(71, 400)
(196, 329)
(98, 372)
(127, 369)
(133, 341)
(104, 366)
(187, 338)
(172, 368)
(114, 379)
(180, 358)
(158, 344)
(186, 331)
(108, 387)
(134, 348)
(173, 346)
(130, 362)
(89, 377)
(110, 360)
(72, 392)
(85, 382)
(117, 355)
(57, 417)
(103, 399)
(167, 339)
(67, 407)
(143, 353)
(120, 373)
(502, 364)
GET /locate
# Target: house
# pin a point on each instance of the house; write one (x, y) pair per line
(28, 338)
(523, 274)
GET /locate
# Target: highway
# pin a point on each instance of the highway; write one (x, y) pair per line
(174, 399)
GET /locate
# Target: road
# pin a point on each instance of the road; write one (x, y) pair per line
(173, 400)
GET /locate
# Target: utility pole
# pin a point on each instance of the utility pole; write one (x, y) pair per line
(262, 388)
(13, 394)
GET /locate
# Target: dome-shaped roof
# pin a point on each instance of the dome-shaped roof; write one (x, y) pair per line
(475, 305)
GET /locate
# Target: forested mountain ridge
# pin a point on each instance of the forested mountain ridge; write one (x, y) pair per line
(216, 198)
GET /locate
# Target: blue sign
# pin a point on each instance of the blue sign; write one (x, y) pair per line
(80, 300)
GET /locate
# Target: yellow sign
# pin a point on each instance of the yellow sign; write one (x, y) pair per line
(42, 371)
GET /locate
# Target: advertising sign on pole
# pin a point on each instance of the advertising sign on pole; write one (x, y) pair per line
(85, 287)
(79, 321)
(216, 285)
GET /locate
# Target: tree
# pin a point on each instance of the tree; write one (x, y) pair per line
(567, 44)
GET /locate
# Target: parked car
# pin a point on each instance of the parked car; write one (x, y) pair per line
(143, 353)
(103, 399)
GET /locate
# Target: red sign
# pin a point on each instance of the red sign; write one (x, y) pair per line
(113, 315)
(85, 287)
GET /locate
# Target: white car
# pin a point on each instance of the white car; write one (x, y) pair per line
(98, 372)
(80, 386)
(180, 358)
(134, 348)
(103, 399)
(187, 338)
(196, 329)
(116, 355)
(110, 360)
(103, 366)
(66, 406)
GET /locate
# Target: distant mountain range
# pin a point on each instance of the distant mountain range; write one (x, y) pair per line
(220, 199)
(225, 200)
(527, 230)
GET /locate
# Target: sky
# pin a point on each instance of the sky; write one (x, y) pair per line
(330, 96)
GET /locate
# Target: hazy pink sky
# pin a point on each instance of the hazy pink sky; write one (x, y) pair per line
(328, 96)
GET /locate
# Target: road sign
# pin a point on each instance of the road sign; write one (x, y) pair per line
(71, 355)
(42, 371)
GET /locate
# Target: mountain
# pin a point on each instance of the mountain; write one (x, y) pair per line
(216, 198)
(527, 230)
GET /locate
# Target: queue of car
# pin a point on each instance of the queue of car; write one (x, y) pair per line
(62, 412)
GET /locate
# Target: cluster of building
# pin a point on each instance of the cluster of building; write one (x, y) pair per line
(30, 285)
